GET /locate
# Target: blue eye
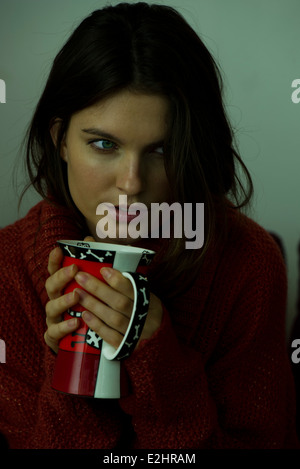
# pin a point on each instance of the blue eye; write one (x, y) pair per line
(104, 145)
(159, 150)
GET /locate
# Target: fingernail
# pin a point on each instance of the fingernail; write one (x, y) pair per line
(106, 272)
(86, 316)
(81, 293)
(71, 269)
(70, 297)
(72, 323)
(81, 278)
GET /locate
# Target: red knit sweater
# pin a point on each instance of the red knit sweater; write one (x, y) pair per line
(215, 375)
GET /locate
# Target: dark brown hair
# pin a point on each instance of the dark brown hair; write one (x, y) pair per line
(150, 49)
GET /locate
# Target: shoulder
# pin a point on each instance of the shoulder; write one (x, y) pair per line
(12, 235)
(249, 283)
(250, 236)
(252, 249)
(32, 216)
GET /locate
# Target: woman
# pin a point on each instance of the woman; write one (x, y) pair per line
(133, 107)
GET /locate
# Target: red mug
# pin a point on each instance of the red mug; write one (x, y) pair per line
(85, 364)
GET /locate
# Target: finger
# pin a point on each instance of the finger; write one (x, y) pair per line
(110, 317)
(56, 332)
(117, 300)
(117, 281)
(55, 308)
(56, 257)
(56, 283)
(89, 238)
(55, 260)
(108, 334)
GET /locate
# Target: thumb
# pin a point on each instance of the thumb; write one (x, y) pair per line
(89, 238)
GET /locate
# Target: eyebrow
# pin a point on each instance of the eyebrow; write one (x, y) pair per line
(103, 134)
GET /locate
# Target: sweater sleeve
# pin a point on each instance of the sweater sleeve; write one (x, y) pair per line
(66, 421)
(169, 390)
(32, 414)
(239, 395)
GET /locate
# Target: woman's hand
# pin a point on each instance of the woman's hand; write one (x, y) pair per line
(108, 306)
(58, 302)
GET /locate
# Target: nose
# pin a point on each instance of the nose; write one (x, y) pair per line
(130, 178)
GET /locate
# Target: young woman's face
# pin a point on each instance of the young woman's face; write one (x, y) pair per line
(114, 148)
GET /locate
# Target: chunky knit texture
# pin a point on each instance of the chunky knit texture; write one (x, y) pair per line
(215, 375)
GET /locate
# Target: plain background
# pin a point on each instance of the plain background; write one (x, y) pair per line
(257, 45)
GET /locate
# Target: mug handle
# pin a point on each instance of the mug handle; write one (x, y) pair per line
(137, 320)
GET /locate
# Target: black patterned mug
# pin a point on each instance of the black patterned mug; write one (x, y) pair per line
(86, 365)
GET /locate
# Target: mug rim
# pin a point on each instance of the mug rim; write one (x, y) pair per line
(98, 246)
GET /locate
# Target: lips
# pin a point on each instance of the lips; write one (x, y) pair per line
(126, 213)
(123, 216)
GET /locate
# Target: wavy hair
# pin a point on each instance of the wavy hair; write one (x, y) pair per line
(149, 49)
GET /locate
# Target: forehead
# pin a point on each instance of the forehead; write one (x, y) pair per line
(127, 112)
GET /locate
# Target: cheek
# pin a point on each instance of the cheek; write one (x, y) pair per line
(82, 171)
(161, 187)
(78, 178)
(85, 184)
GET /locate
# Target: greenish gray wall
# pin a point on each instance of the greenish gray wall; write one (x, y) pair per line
(257, 44)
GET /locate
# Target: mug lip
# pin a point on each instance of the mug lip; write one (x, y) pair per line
(98, 246)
